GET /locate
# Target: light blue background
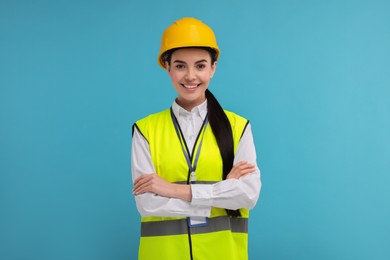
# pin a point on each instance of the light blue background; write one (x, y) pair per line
(313, 77)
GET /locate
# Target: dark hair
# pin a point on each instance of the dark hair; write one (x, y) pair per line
(166, 56)
(219, 123)
(222, 130)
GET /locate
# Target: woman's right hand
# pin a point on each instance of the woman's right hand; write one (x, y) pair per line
(240, 169)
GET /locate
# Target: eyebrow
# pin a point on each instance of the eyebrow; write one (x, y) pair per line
(196, 62)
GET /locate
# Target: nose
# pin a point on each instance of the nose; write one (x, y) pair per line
(190, 75)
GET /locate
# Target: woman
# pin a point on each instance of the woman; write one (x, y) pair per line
(194, 165)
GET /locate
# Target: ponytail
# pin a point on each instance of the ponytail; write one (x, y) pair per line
(222, 130)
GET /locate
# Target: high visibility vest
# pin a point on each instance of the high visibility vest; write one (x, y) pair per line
(171, 238)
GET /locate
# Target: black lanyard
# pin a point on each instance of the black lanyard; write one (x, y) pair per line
(192, 167)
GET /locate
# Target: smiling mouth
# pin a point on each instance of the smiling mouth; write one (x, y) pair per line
(190, 86)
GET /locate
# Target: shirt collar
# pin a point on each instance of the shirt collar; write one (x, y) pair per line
(200, 110)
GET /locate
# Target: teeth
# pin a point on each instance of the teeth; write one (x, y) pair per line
(190, 86)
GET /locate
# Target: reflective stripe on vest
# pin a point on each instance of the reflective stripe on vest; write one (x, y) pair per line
(179, 226)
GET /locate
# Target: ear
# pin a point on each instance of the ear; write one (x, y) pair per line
(167, 67)
(213, 68)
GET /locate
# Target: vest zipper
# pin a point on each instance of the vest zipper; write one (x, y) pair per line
(190, 242)
(189, 172)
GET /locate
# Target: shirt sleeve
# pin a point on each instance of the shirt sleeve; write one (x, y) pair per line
(150, 204)
(233, 193)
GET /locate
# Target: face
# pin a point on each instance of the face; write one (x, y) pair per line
(190, 71)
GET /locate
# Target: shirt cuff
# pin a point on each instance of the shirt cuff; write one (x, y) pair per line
(202, 194)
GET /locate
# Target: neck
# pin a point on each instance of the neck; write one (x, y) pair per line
(189, 105)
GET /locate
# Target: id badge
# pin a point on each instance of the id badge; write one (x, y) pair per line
(198, 221)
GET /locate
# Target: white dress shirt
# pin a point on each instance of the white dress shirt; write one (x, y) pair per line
(229, 194)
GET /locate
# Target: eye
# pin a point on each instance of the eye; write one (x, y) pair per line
(179, 66)
(200, 66)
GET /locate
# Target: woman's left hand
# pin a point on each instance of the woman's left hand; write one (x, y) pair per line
(151, 183)
(155, 184)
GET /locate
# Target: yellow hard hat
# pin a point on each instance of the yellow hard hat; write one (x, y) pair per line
(187, 32)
